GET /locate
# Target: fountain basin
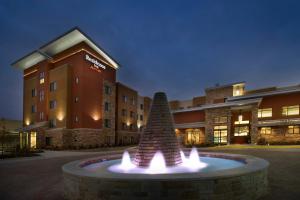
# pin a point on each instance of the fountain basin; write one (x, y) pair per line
(91, 179)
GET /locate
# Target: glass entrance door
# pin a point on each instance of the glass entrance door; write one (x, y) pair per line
(220, 134)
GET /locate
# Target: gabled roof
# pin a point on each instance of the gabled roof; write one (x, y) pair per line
(59, 44)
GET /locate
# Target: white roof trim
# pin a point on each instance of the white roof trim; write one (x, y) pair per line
(263, 94)
(190, 125)
(220, 105)
(71, 38)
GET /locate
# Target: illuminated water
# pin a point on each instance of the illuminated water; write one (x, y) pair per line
(191, 164)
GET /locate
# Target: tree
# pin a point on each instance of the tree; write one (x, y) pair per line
(3, 132)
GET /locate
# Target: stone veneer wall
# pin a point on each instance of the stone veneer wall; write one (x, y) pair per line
(253, 124)
(124, 137)
(247, 187)
(76, 138)
(280, 135)
(210, 114)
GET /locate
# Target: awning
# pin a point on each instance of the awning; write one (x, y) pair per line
(34, 126)
(279, 122)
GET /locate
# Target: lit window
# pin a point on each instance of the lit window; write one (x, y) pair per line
(42, 77)
(33, 140)
(107, 123)
(76, 99)
(238, 90)
(76, 119)
(220, 134)
(293, 129)
(33, 92)
(194, 136)
(264, 112)
(52, 104)
(241, 131)
(41, 116)
(265, 130)
(76, 80)
(290, 110)
(53, 86)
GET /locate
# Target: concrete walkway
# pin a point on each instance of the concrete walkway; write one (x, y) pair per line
(46, 154)
(41, 177)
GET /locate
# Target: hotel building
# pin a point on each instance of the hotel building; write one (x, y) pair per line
(72, 100)
(229, 114)
(71, 97)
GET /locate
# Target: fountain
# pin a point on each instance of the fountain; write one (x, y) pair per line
(160, 170)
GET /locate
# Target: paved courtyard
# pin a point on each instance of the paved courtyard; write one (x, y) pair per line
(41, 177)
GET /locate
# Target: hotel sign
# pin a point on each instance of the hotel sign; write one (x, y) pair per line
(96, 64)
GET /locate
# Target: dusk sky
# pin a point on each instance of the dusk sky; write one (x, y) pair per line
(180, 47)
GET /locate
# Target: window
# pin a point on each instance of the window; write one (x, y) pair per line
(107, 123)
(142, 106)
(141, 117)
(241, 131)
(220, 134)
(33, 92)
(53, 86)
(32, 140)
(42, 95)
(264, 112)
(42, 77)
(132, 101)
(125, 98)
(131, 114)
(107, 90)
(107, 106)
(76, 80)
(293, 129)
(124, 112)
(52, 104)
(76, 119)
(220, 120)
(76, 99)
(290, 110)
(194, 136)
(52, 123)
(131, 127)
(123, 126)
(33, 109)
(41, 116)
(265, 130)
(48, 141)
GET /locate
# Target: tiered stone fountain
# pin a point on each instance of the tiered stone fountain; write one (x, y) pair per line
(160, 170)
